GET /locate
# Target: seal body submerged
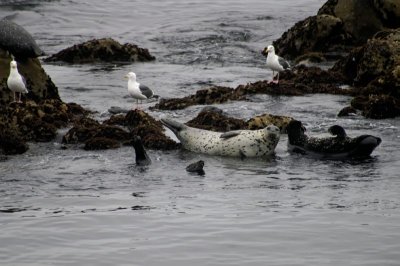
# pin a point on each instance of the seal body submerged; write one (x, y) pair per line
(238, 143)
(340, 146)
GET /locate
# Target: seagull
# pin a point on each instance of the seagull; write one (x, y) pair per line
(137, 90)
(15, 81)
(275, 62)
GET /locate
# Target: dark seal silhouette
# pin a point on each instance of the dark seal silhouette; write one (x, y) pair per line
(17, 41)
(141, 156)
(340, 146)
(196, 167)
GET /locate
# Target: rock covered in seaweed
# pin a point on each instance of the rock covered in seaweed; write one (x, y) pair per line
(102, 50)
(214, 119)
(33, 121)
(301, 80)
(339, 26)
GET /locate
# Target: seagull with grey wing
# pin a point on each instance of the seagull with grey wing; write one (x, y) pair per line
(137, 90)
(15, 81)
(275, 62)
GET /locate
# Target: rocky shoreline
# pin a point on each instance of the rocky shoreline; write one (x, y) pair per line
(367, 59)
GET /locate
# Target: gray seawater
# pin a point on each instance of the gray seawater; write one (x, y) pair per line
(76, 207)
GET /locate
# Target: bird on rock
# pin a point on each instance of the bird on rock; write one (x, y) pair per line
(137, 90)
(16, 82)
(275, 63)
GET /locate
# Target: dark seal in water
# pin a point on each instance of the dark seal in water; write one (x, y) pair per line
(339, 147)
(141, 156)
(17, 41)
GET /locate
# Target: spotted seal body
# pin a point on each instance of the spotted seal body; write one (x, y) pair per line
(339, 147)
(17, 41)
(238, 143)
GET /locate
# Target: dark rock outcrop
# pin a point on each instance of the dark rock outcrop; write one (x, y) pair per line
(32, 121)
(211, 119)
(301, 80)
(39, 84)
(339, 26)
(102, 50)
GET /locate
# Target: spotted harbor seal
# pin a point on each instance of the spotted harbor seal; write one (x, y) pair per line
(238, 143)
(17, 41)
(340, 146)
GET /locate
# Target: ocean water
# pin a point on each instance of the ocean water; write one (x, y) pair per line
(76, 207)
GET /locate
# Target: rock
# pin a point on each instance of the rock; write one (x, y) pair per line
(339, 26)
(321, 33)
(39, 84)
(215, 120)
(11, 143)
(262, 121)
(301, 80)
(116, 120)
(347, 111)
(101, 143)
(102, 50)
(378, 56)
(212, 95)
(149, 130)
(389, 11)
(381, 107)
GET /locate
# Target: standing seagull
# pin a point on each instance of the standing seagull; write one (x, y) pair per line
(275, 62)
(137, 90)
(15, 81)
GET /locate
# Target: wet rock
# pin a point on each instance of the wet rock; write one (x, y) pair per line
(380, 55)
(212, 95)
(102, 50)
(117, 110)
(211, 119)
(149, 130)
(31, 121)
(101, 143)
(39, 84)
(262, 121)
(360, 18)
(321, 33)
(10, 141)
(381, 107)
(116, 120)
(86, 129)
(339, 26)
(301, 80)
(347, 111)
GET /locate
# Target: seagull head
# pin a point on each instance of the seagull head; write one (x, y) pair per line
(13, 64)
(268, 49)
(131, 76)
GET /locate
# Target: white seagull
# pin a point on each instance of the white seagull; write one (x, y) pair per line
(15, 81)
(275, 63)
(137, 90)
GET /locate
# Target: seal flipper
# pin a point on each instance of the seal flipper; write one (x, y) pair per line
(173, 125)
(141, 156)
(230, 134)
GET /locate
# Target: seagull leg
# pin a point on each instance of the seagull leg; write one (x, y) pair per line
(272, 80)
(19, 99)
(14, 97)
